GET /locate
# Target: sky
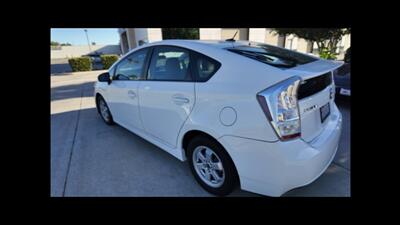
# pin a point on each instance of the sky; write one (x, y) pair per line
(77, 36)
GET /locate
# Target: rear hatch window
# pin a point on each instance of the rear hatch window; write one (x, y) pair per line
(343, 70)
(271, 55)
(314, 85)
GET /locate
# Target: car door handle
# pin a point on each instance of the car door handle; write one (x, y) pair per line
(179, 100)
(131, 94)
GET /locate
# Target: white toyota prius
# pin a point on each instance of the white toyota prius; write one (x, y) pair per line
(241, 113)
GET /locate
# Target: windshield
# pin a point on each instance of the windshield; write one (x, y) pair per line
(272, 55)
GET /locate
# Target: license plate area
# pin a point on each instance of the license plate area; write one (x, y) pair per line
(344, 92)
(324, 111)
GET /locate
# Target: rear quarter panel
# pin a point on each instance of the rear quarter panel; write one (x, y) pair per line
(235, 85)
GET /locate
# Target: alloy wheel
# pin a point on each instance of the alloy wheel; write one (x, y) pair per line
(208, 166)
(104, 111)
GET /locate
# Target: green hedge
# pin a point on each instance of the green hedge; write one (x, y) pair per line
(80, 64)
(108, 60)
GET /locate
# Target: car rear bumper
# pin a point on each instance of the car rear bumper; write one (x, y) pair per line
(273, 168)
(342, 83)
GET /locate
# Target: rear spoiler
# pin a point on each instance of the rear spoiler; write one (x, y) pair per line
(315, 68)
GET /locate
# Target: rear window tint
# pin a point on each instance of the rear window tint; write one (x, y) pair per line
(169, 64)
(271, 55)
(205, 67)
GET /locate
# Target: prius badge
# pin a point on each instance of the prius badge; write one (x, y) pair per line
(309, 109)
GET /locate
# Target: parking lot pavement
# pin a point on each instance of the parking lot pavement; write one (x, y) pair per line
(59, 66)
(89, 158)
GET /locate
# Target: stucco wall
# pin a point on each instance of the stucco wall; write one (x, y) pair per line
(131, 34)
(147, 35)
(141, 34)
(270, 37)
(210, 33)
(257, 34)
(79, 50)
(154, 34)
(227, 33)
(302, 45)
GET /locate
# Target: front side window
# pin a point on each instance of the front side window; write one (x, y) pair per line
(131, 68)
(169, 64)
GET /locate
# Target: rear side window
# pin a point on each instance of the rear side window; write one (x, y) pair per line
(205, 67)
(169, 64)
(274, 56)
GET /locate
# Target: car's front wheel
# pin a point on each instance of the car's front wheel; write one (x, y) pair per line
(104, 111)
(211, 166)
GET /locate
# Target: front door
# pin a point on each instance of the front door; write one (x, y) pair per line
(123, 90)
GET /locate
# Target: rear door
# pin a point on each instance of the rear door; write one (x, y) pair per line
(167, 97)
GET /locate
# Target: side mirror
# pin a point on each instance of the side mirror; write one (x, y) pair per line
(104, 77)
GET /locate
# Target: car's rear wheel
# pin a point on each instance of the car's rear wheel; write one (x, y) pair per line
(104, 111)
(211, 166)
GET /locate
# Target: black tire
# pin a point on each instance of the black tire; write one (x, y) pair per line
(231, 177)
(109, 121)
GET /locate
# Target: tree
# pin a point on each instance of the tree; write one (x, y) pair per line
(54, 43)
(66, 44)
(93, 43)
(325, 38)
(180, 33)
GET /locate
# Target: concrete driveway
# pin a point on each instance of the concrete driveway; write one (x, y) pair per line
(89, 158)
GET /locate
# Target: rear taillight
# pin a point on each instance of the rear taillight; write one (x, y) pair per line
(280, 106)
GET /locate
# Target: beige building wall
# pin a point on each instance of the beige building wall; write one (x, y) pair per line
(130, 33)
(303, 45)
(291, 42)
(147, 34)
(297, 44)
(263, 35)
(135, 36)
(257, 34)
(343, 45)
(227, 33)
(271, 38)
(210, 33)
(223, 33)
(347, 41)
(154, 34)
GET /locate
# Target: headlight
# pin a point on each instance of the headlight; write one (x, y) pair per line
(280, 106)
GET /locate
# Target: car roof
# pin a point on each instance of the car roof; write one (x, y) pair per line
(210, 43)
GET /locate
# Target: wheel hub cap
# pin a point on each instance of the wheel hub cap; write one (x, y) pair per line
(208, 166)
(104, 110)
